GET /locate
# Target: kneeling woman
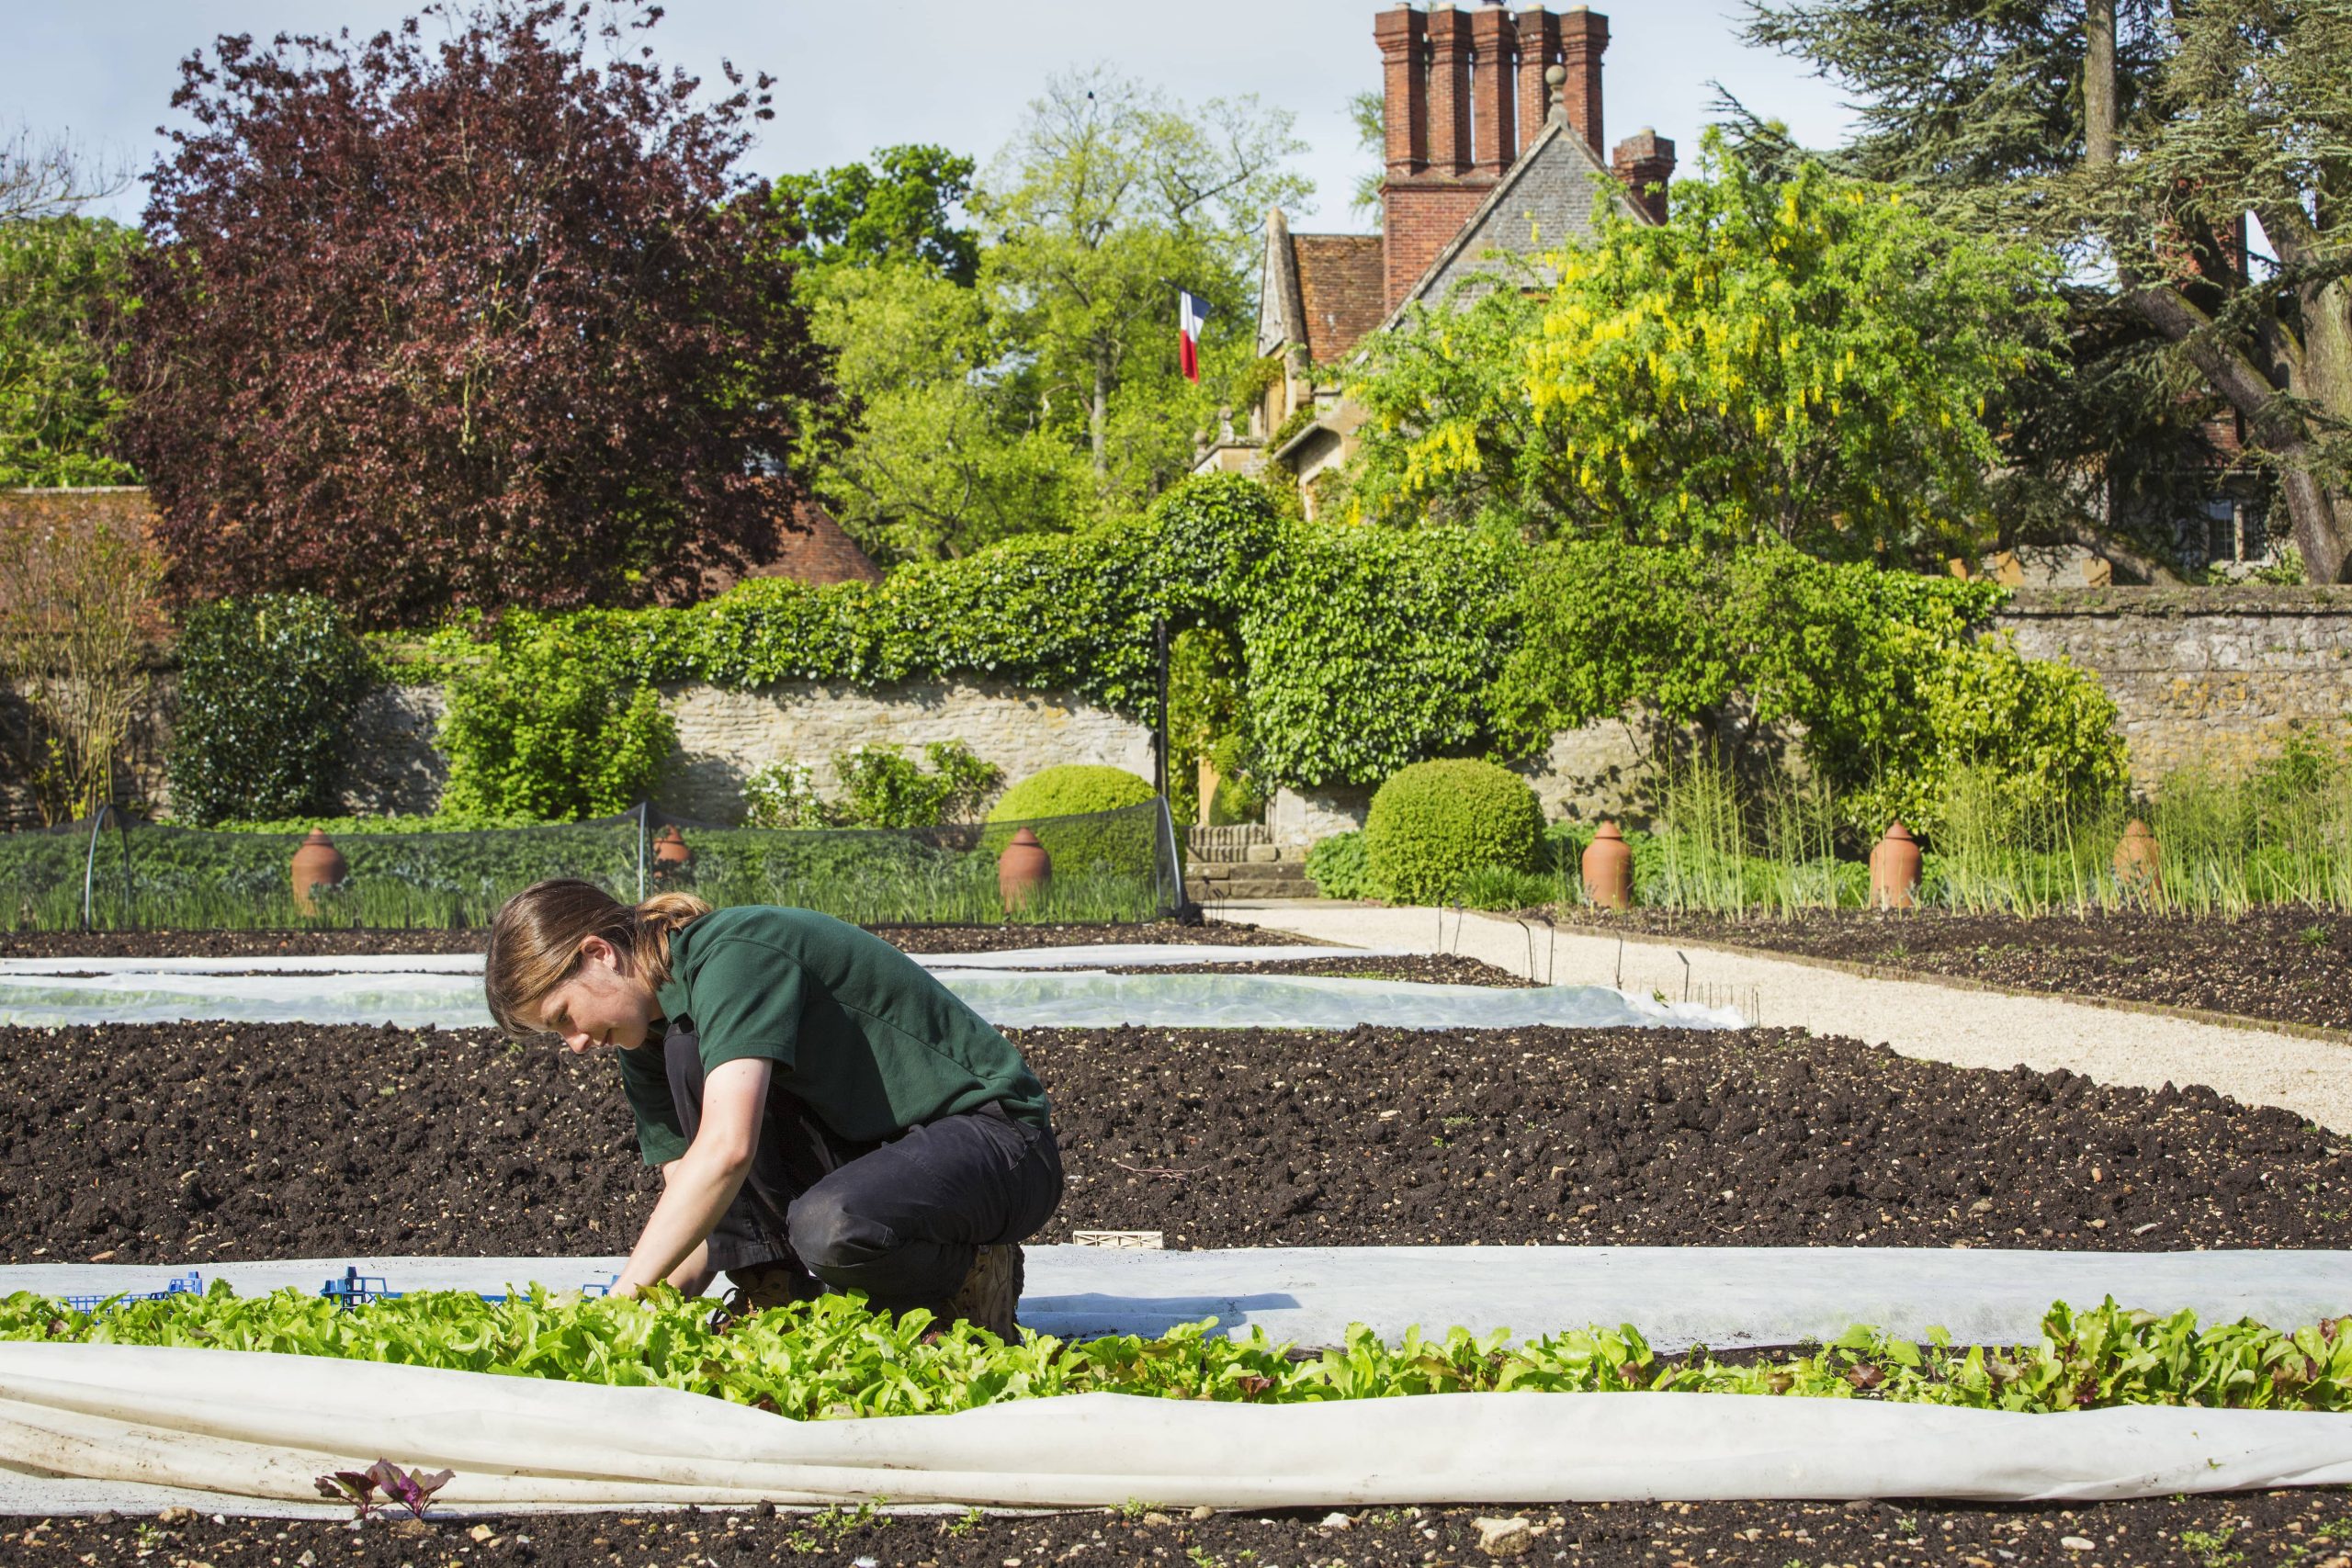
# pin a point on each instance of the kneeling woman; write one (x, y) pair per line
(824, 1112)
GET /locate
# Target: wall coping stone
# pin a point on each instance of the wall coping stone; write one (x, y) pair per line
(2230, 599)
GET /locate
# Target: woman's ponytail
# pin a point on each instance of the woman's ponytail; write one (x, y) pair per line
(536, 939)
(658, 919)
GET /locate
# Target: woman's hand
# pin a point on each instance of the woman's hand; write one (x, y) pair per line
(698, 1184)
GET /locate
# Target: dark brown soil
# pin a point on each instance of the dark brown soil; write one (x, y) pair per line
(2303, 1528)
(1425, 968)
(183, 1144)
(231, 944)
(2282, 965)
(913, 939)
(999, 939)
(1763, 1137)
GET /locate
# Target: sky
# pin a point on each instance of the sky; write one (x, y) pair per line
(854, 75)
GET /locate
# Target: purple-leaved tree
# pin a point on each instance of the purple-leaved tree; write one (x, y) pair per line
(461, 316)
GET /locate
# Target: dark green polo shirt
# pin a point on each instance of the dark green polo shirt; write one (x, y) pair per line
(857, 1030)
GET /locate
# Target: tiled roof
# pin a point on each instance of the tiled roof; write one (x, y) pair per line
(1340, 283)
(815, 552)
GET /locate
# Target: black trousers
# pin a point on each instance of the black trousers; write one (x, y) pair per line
(900, 1219)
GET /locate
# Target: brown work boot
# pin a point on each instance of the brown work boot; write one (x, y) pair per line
(770, 1285)
(989, 1292)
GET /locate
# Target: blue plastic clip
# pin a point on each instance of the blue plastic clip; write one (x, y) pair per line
(355, 1289)
(189, 1283)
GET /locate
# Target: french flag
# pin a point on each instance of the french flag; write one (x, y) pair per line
(1191, 311)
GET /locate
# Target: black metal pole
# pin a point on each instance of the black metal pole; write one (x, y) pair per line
(1159, 732)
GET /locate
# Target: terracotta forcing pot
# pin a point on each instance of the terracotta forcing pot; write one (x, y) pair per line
(1608, 866)
(2139, 862)
(317, 863)
(1022, 870)
(672, 856)
(1895, 869)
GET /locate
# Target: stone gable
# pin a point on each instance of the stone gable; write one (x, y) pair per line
(1552, 197)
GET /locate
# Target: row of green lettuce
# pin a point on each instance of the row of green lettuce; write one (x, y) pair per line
(1107, 867)
(833, 1358)
(1339, 653)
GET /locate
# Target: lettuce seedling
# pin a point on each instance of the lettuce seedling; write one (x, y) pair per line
(411, 1490)
(356, 1487)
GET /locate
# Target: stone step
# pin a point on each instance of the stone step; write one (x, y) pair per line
(1285, 879)
(1248, 871)
(1245, 855)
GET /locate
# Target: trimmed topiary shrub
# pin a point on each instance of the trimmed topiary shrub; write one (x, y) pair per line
(1434, 823)
(1072, 789)
(1338, 867)
(1125, 846)
(266, 686)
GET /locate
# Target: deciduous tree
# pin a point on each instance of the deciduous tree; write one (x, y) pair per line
(1109, 200)
(64, 311)
(945, 454)
(900, 208)
(1804, 360)
(465, 321)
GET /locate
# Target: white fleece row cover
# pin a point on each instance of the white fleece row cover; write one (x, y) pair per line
(260, 1426)
(1076, 999)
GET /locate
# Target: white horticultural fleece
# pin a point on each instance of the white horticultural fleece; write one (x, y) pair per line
(1945, 1023)
(254, 1430)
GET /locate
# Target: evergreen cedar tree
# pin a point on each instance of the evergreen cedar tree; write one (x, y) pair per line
(464, 322)
(2148, 131)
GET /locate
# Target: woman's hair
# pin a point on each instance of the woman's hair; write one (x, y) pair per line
(535, 941)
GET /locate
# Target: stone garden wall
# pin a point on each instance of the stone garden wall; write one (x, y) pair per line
(2216, 677)
(2212, 676)
(726, 735)
(2203, 676)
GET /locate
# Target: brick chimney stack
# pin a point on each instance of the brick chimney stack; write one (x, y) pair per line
(1584, 38)
(1493, 40)
(1449, 91)
(1403, 37)
(1464, 95)
(1644, 161)
(1538, 33)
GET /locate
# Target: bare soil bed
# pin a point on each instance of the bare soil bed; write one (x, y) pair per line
(1423, 968)
(337, 943)
(2306, 1528)
(2280, 966)
(184, 1143)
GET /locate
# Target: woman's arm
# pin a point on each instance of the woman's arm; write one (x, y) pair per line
(697, 1187)
(693, 1277)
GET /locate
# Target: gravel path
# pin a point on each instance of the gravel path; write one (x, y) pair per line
(1966, 1027)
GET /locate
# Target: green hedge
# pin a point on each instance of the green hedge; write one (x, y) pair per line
(1366, 649)
(1358, 645)
(1894, 687)
(1065, 612)
(1349, 652)
(1434, 824)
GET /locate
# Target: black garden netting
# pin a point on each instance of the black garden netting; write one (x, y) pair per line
(119, 872)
